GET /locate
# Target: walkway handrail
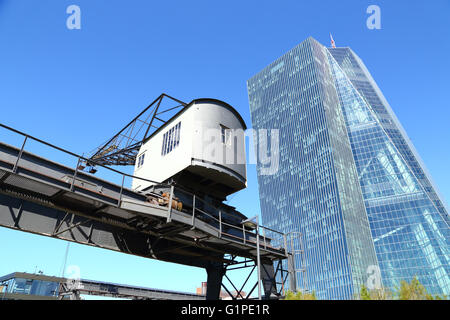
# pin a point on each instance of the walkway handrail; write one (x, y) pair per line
(27, 136)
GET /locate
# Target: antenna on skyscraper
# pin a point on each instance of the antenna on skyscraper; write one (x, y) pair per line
(333, 45)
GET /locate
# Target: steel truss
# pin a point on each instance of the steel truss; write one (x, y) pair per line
(72, 289)
(123, 147)
(273, 289)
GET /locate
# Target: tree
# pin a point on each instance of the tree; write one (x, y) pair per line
(416, 291)
(364, 293)
(374, 294)
(413, 290)
(300, 295)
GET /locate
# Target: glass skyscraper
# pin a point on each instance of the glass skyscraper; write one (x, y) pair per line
(348, 178)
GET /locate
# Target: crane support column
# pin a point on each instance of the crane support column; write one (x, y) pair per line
(292, 273)
(215, 273)
(268, 280)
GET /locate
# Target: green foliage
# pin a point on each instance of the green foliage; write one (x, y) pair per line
(413, 290)
(300, 295)
(364, 294)
(374, 294)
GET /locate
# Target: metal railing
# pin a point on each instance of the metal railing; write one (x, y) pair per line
(80, 159)
(233, 232)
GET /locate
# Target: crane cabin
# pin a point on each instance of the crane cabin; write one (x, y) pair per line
(201, 149)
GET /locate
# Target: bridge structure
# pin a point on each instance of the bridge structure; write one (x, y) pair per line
(32, 286)
(47, 198)
(73, 289)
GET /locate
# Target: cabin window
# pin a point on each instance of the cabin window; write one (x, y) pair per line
(171, 139)
(141, 160)
(226, 135)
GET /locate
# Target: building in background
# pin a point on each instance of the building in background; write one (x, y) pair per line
(349, 180)
(29, 286)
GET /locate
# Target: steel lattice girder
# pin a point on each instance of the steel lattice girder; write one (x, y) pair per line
(123, 147)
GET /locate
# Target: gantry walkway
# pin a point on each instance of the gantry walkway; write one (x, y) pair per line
(44, 197)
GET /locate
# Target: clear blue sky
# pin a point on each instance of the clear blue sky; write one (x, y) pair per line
(75, 88)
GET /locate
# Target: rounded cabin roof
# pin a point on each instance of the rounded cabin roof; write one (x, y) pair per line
(221, 103)
(202, 100)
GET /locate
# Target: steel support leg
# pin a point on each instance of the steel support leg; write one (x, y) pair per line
(292, 274)
(268, 280)
(215, 273)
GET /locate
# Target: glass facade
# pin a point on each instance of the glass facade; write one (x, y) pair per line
(315, 190)
(409, 223)
(348, 179)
